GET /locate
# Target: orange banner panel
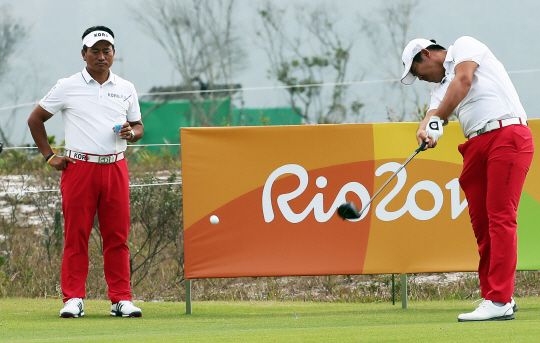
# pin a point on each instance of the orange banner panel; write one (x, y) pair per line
(221, 164)
(245, 244)
(230, 172)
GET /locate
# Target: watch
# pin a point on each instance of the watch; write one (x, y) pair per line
(132, 135)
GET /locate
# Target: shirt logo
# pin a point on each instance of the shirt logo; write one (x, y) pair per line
(119, 96)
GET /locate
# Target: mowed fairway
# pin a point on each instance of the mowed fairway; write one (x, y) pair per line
(36, 320)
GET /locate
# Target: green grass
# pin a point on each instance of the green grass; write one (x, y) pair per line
(36, 320)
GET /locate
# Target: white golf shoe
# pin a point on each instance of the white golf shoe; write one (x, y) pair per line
(125, 308)
(73, 308)
(515, 308)
(488, 311)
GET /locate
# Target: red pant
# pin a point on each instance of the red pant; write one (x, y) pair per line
(87, 187)
(495, 165)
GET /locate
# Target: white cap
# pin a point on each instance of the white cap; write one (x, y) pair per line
(95, 36)
(413, 48)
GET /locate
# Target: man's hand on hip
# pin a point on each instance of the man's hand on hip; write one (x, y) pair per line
(60, 162)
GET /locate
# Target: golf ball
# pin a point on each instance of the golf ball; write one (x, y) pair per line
(214, 219)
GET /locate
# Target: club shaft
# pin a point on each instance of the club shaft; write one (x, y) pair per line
(391, 177)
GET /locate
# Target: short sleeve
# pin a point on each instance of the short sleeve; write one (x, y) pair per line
(468, 49)
(134, 110)
(434, 103)
(55, 100)
(439, 91)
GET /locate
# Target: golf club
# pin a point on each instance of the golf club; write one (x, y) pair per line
(349, 210)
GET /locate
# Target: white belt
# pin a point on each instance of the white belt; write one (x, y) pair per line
(101, 159)
(497, 124)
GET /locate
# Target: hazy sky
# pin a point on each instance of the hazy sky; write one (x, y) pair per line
(52, 50)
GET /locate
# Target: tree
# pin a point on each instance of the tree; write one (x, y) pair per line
(388, 33)
(12, 33)
(199, 37)
(306, 59)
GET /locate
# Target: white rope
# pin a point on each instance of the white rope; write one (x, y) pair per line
(157, 184)
(24, 192)
(153, 144)
(57, 190)
(17, 106)
(61, 147)
(272, 87)
(524, 71)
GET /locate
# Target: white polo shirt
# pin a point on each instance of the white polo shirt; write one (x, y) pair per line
(492, 95)
(89, 111)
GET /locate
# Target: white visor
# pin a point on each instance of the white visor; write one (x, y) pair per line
(93, 37)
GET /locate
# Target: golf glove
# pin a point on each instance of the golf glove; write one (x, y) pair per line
(434, 128)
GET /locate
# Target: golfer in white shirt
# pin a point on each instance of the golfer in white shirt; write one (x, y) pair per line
(473, 84)
(95, 174)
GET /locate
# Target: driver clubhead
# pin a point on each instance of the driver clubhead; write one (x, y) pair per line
(348, 210)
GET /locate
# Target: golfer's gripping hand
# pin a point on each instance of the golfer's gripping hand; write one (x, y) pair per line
(430, 132)
(421, 136)
(434, 128)
(60, 162)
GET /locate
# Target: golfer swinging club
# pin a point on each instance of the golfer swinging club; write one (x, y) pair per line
(101, 113)
(471, 83)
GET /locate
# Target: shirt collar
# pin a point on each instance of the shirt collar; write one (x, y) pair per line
(447, 64)
(87, 78)
(448, 60)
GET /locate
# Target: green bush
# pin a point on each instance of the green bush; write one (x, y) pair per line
(31, 241)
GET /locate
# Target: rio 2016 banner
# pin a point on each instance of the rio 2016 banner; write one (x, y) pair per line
(276, 189)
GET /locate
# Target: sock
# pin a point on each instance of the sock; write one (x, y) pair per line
(498, 304)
